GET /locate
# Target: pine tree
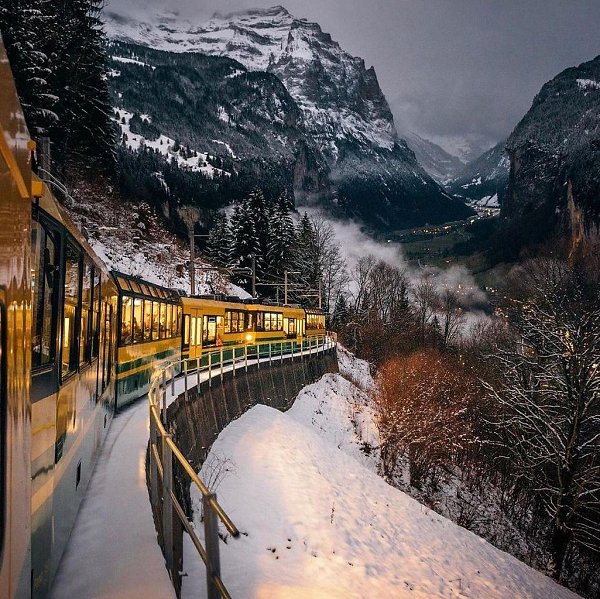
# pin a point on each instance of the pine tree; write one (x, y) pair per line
(218, 247)
(26, 26)
(245, 243)
(282, 239)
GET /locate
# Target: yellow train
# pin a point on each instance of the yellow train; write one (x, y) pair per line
(76, 343)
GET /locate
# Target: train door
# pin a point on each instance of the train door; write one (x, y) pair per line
(209, 332)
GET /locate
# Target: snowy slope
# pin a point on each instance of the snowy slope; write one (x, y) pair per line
(321, 524)
(441, 165)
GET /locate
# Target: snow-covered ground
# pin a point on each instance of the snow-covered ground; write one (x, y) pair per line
(318, 522)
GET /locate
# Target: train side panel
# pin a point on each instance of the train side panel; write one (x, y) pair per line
(15, 347)
(73, 379)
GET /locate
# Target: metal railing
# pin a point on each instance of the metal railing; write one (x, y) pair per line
(162, 449)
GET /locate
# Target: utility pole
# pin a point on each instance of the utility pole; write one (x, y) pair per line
(285, 284)
(192, 261)
(253, 275)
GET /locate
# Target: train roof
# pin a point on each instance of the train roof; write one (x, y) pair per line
(130, 285)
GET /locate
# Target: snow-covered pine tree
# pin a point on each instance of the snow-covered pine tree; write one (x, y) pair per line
(218, 247)
(84, 130)
(26, 26)
(245, 242)
(282, 239)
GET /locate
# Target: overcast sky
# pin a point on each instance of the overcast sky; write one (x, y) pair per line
(451, 69)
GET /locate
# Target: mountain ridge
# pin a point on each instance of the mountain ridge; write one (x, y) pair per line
(373, 174)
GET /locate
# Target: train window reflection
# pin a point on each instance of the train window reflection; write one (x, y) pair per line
(86, 299)
(126, 328)
(72, 301)
(147, 320)
(45, 258)
(138, 316)
(163, 321)
(155, 320)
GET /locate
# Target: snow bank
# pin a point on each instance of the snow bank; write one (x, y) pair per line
(320, 524)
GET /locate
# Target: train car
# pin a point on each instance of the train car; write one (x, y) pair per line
(57, 340)
(15, 344)
(73, 333)
(315, 322)
(211, 322)
(149, 324)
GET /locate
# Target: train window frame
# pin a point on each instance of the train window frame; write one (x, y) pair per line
(125, 340)
(68, 369)
(47, 320)
(86, 309)
(96, 312)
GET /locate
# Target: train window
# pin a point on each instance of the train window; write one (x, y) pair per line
(155, 320)
(135, 287)
(45, 258)
(260, 321)
(291, 326)
(186, 330)
(71, 308)
(126, 328)
(234, 321)
(86, 305)
(144, 289)
(273, 321)
(147, 320)
(163, 321)
(123, 284)
(192, 337)
(138, 318)
(199, 331)
(169, 321)
(96, 309)
(174, 315)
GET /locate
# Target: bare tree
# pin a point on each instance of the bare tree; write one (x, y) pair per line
(548, 401)
(452, 315)
(424, 299)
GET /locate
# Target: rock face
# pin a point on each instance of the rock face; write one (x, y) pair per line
(351, 157)
(554, 185)
(438, 163)
(483, 182)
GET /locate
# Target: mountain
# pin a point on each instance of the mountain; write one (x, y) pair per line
(554, 184)
(344, 153)
(482, 183)
(438, 163)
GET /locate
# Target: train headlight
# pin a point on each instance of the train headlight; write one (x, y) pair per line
(249, 338)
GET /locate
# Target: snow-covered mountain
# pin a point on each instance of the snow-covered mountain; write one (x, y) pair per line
(483, 182)
(438, 163)
(345, 117)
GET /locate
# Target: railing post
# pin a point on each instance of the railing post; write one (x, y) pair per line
(210, 369)
(185, 376)
(221, 366)
(153, 464)
(173, 380)
(211, 538)
(163, 389)
(246, 357)
(167, 515)
(292, 345)
(270, 353)
(233, 360)
(198, 374)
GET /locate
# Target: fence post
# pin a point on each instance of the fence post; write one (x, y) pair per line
(198, 374)
(270, 353)
(167, 515)
(210, 369)
(173, 380)
(153, 464)
(233, 360)
(281, 352)
(221, 366)
(185, 376)
(163, 389)
(211, 538)
(246, 357)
